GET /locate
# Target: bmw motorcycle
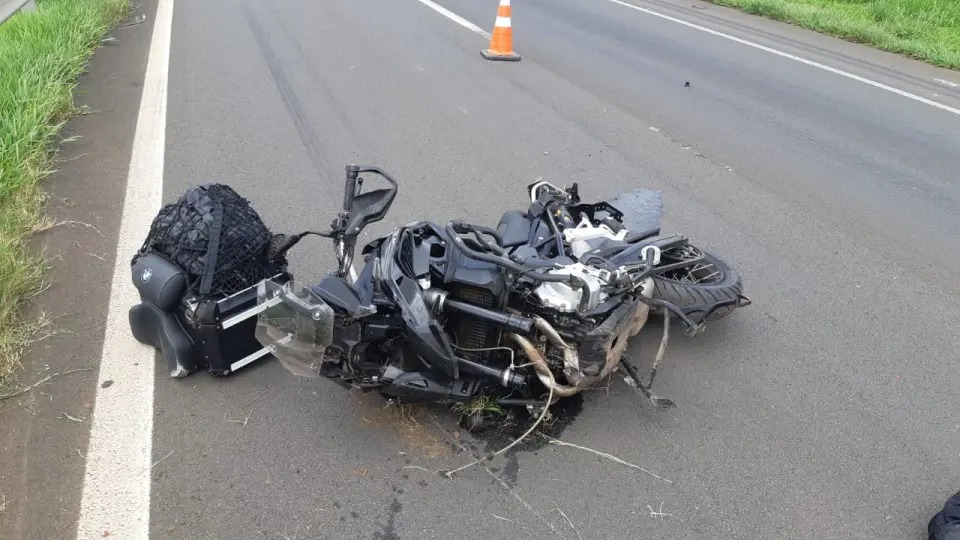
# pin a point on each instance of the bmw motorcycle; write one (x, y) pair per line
(538, 308)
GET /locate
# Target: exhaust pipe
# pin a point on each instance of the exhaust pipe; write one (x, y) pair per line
(614, 355)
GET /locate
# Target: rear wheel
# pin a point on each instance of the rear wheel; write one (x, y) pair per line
(696, 282)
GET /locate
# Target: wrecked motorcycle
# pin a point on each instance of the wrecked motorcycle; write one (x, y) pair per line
(538, 308)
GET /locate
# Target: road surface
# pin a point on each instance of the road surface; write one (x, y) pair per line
(826, 410)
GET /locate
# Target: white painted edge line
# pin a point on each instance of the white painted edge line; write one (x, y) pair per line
(789, 56)
(116, 486)
(455, 18)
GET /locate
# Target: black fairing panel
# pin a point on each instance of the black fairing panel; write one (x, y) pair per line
(422, 330)
(514, 228)
(467, 271)
(341, 296)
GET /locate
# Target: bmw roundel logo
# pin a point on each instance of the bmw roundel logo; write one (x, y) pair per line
(145, 276)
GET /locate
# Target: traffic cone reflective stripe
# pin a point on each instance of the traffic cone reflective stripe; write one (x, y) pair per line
(501, 42)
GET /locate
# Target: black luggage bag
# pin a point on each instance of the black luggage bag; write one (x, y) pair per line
(197, 275)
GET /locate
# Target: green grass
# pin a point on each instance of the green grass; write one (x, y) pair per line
(928, 30)
(41, 55)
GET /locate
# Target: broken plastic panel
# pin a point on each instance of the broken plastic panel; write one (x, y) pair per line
(295, 324)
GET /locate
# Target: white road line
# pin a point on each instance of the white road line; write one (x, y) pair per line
(116, 488)
(455, 18)
(795, 58)
(467, 24)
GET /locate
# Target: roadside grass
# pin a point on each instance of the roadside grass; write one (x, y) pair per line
(41, 55)
(928, 30)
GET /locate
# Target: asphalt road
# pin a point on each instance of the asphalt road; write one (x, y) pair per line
(827, 410)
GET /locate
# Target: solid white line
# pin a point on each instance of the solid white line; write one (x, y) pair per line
(795, 58)
(455, 18)
(116, 487)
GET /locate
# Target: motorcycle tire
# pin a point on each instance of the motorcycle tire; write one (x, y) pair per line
(698, 300)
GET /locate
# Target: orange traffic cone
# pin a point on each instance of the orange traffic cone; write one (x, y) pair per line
(501, 43)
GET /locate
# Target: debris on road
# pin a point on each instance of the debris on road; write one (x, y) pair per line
(161, 460)
(139, 19)
(46, 379)
(604, 455)
(556, 508)
(241, 422)
(67, 416)
(659, 513)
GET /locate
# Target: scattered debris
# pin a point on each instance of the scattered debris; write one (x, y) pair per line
(659, 513)
(403, 422)
(27, 389)
(417, 467)
(605, 455)
(66, 416)
(79, 453)
(74, 158)
(138, 20)
(506, 487)
(3, 503)
(242, 422)
(161, 460)
(85, 110)
(686, 84)
(533, 426)
(100, 257)
(502, 518)
(556, 508)
(50, 224)
(256, 399)
(361, 472)
(44, 329)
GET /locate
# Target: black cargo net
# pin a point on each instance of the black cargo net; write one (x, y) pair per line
(216, 238)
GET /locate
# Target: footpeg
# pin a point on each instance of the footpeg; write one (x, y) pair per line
(633, 380)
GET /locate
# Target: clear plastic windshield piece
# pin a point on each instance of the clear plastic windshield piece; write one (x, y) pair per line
(295, 324)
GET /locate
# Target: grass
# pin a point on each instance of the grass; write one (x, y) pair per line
(479, 405)
(41, 55)
(928, 30)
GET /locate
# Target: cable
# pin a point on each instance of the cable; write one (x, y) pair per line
(482, 349)
(488, 457)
